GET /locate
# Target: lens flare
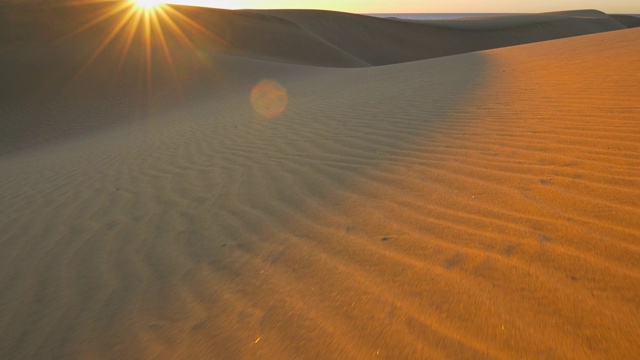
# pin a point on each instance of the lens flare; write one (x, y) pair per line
(269, 99)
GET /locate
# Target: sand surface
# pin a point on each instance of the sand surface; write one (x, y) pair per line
(245, 198)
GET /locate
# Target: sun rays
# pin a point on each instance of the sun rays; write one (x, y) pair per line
(159, 49)
(150, 29)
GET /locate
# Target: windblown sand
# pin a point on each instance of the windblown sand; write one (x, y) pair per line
(482, 205)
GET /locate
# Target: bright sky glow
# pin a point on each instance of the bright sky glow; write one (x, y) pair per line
(421, 6)
(147, 4)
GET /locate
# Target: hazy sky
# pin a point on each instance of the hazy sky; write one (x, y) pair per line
(422, 6)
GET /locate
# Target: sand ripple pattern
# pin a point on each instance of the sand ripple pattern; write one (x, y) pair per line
(476, 206)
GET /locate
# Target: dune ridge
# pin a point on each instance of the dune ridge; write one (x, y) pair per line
(481, 205)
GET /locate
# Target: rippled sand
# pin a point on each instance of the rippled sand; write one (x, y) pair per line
(266, 200)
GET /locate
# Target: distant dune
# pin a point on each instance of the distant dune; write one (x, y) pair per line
(386, 41)
(256, 188)
(627, 20)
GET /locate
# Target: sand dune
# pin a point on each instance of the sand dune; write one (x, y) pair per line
(482, 205)
(628, 21)
(386, 41)
(46, 51)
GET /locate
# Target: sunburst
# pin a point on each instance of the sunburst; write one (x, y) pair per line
(154, 23)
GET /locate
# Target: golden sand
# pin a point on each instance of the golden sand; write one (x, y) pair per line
(246, 204)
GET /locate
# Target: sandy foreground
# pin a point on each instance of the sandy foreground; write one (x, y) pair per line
(260, 190)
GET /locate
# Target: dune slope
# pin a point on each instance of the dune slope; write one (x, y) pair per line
(482, 205)
(628, 21)
(385, 41)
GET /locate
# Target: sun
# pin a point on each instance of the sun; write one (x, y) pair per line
(147, 4)
(160, 31)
